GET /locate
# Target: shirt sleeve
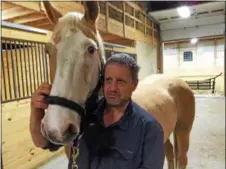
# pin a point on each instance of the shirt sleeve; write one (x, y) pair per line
(153, 148)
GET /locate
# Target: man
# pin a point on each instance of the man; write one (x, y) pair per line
(124, 135)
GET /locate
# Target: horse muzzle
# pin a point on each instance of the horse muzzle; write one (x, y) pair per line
(68, 135)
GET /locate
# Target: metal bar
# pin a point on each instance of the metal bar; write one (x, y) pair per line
(13, 69)
(29, 65)
(213, 89)
(25, 61)
(23, 27)
(21, 69)
(31, 73)
(40, 63)
(17, 71)
(47, 68)
(33, 65)
(3, 74)
(36, 65)
(43, 61)
(7, 65)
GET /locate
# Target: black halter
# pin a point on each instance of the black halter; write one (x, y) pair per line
(61, 101)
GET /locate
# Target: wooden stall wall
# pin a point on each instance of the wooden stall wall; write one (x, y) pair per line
(24, 67)
(127, 20)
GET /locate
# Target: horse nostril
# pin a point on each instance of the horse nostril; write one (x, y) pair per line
(70, 130)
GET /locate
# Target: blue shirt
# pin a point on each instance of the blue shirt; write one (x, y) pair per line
(134, 142)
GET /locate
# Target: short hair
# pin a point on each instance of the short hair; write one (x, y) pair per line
(124, 59)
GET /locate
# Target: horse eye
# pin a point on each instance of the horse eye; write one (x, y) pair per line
(91, 49)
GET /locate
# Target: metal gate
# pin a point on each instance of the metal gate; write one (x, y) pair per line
(24, 66)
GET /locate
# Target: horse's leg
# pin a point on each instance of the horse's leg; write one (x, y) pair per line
(168, 147)
(185, 100)
(182, 137)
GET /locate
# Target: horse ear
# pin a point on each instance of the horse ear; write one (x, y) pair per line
(52, 12)
(91, 11)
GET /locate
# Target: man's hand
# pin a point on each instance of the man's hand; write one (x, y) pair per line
(38, 105)
(38, 100)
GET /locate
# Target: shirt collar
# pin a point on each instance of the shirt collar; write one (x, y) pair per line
(123, 123)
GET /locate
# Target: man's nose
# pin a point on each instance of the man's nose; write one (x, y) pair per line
(113, 86)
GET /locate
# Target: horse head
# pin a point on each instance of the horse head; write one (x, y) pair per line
(77, 48)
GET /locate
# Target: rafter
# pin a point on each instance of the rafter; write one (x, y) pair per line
(47, 26)
(7, 5)
(35, 5)
(38, 22)
(28, 18)
(15, 12)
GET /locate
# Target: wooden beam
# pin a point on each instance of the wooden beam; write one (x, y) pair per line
(35, 5)
(135, 6)
(43, 24)
(29, 18)
(7, 5)
(65, 7)
(47, 26)
(38, 22)
(15, 12)
(18, 34)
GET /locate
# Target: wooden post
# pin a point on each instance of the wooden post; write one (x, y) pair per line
(124, 18)
(215, 50)
(224, 51)
(106, 16)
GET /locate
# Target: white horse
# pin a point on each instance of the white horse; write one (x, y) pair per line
(76, 52)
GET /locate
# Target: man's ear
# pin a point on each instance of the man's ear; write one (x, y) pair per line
(135, 83)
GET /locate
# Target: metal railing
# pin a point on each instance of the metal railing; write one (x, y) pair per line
(24, 66)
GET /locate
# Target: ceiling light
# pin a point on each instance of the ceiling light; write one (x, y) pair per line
(183, 11)
(194, 40)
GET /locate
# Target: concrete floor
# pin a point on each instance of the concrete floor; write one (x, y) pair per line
(207, 147)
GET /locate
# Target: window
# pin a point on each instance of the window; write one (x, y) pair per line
(188, 56)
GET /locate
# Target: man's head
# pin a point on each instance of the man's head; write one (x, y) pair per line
(120, 79)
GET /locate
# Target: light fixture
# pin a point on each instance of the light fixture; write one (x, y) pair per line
(194, 40)
(183, 11)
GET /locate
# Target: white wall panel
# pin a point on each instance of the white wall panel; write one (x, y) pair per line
(202, 31)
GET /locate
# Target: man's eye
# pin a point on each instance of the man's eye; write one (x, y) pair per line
(107, 80)
(121, 81)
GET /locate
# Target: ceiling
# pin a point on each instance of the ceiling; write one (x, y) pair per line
(198, 10)
(207, 19)
(152, 6)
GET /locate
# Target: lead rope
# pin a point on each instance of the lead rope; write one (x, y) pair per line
(75, 151)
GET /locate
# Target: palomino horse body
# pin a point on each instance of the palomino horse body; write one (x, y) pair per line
(76, 53)
(171, 101)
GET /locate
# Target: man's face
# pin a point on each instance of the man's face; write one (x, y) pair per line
(118, 84)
